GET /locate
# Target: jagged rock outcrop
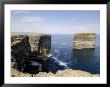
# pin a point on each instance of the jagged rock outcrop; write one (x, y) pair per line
(34, 40)
(20, 52)
(44, 46)
(25, 49)
(84, 40)
(16, 39)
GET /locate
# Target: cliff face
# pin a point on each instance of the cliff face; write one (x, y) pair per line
(40, 44)
(34, 40)
(20, 52)
(84, 40)
(25, 49)
(16, 39)
(44, 45)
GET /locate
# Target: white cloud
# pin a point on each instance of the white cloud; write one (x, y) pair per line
(36, 24)
(71, 20)
(32, 19)
(57, 29)
(28, 22)
(40, 25)
(21, 12)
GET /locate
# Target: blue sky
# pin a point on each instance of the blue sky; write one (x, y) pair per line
(55, 22)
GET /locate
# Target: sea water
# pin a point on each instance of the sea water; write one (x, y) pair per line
(64, 56)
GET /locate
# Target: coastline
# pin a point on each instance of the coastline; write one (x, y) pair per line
(59, 73)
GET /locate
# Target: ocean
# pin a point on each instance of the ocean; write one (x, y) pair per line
(64, 56)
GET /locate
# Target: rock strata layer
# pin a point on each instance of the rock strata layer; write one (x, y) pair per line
(84, 40)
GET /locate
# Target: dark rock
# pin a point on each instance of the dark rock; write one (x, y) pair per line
(25, 49)
(20, 52)
(45, 65)
(44, 46)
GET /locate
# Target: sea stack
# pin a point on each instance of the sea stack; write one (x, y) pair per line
(84, 40)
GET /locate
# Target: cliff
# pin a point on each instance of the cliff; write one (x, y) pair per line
(84, 40)
(20, 52)
(44, 46)
(26, 48)
(40, 44)
(34, 40)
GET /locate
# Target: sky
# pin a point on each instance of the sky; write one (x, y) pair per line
(55, 21)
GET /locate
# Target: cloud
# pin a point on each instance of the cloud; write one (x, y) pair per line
(30, 22)
(20, 12)
(32, 19)
(71, 20)
(52, 29)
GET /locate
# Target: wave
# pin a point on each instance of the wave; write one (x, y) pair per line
(56, 51)
(61, 63)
